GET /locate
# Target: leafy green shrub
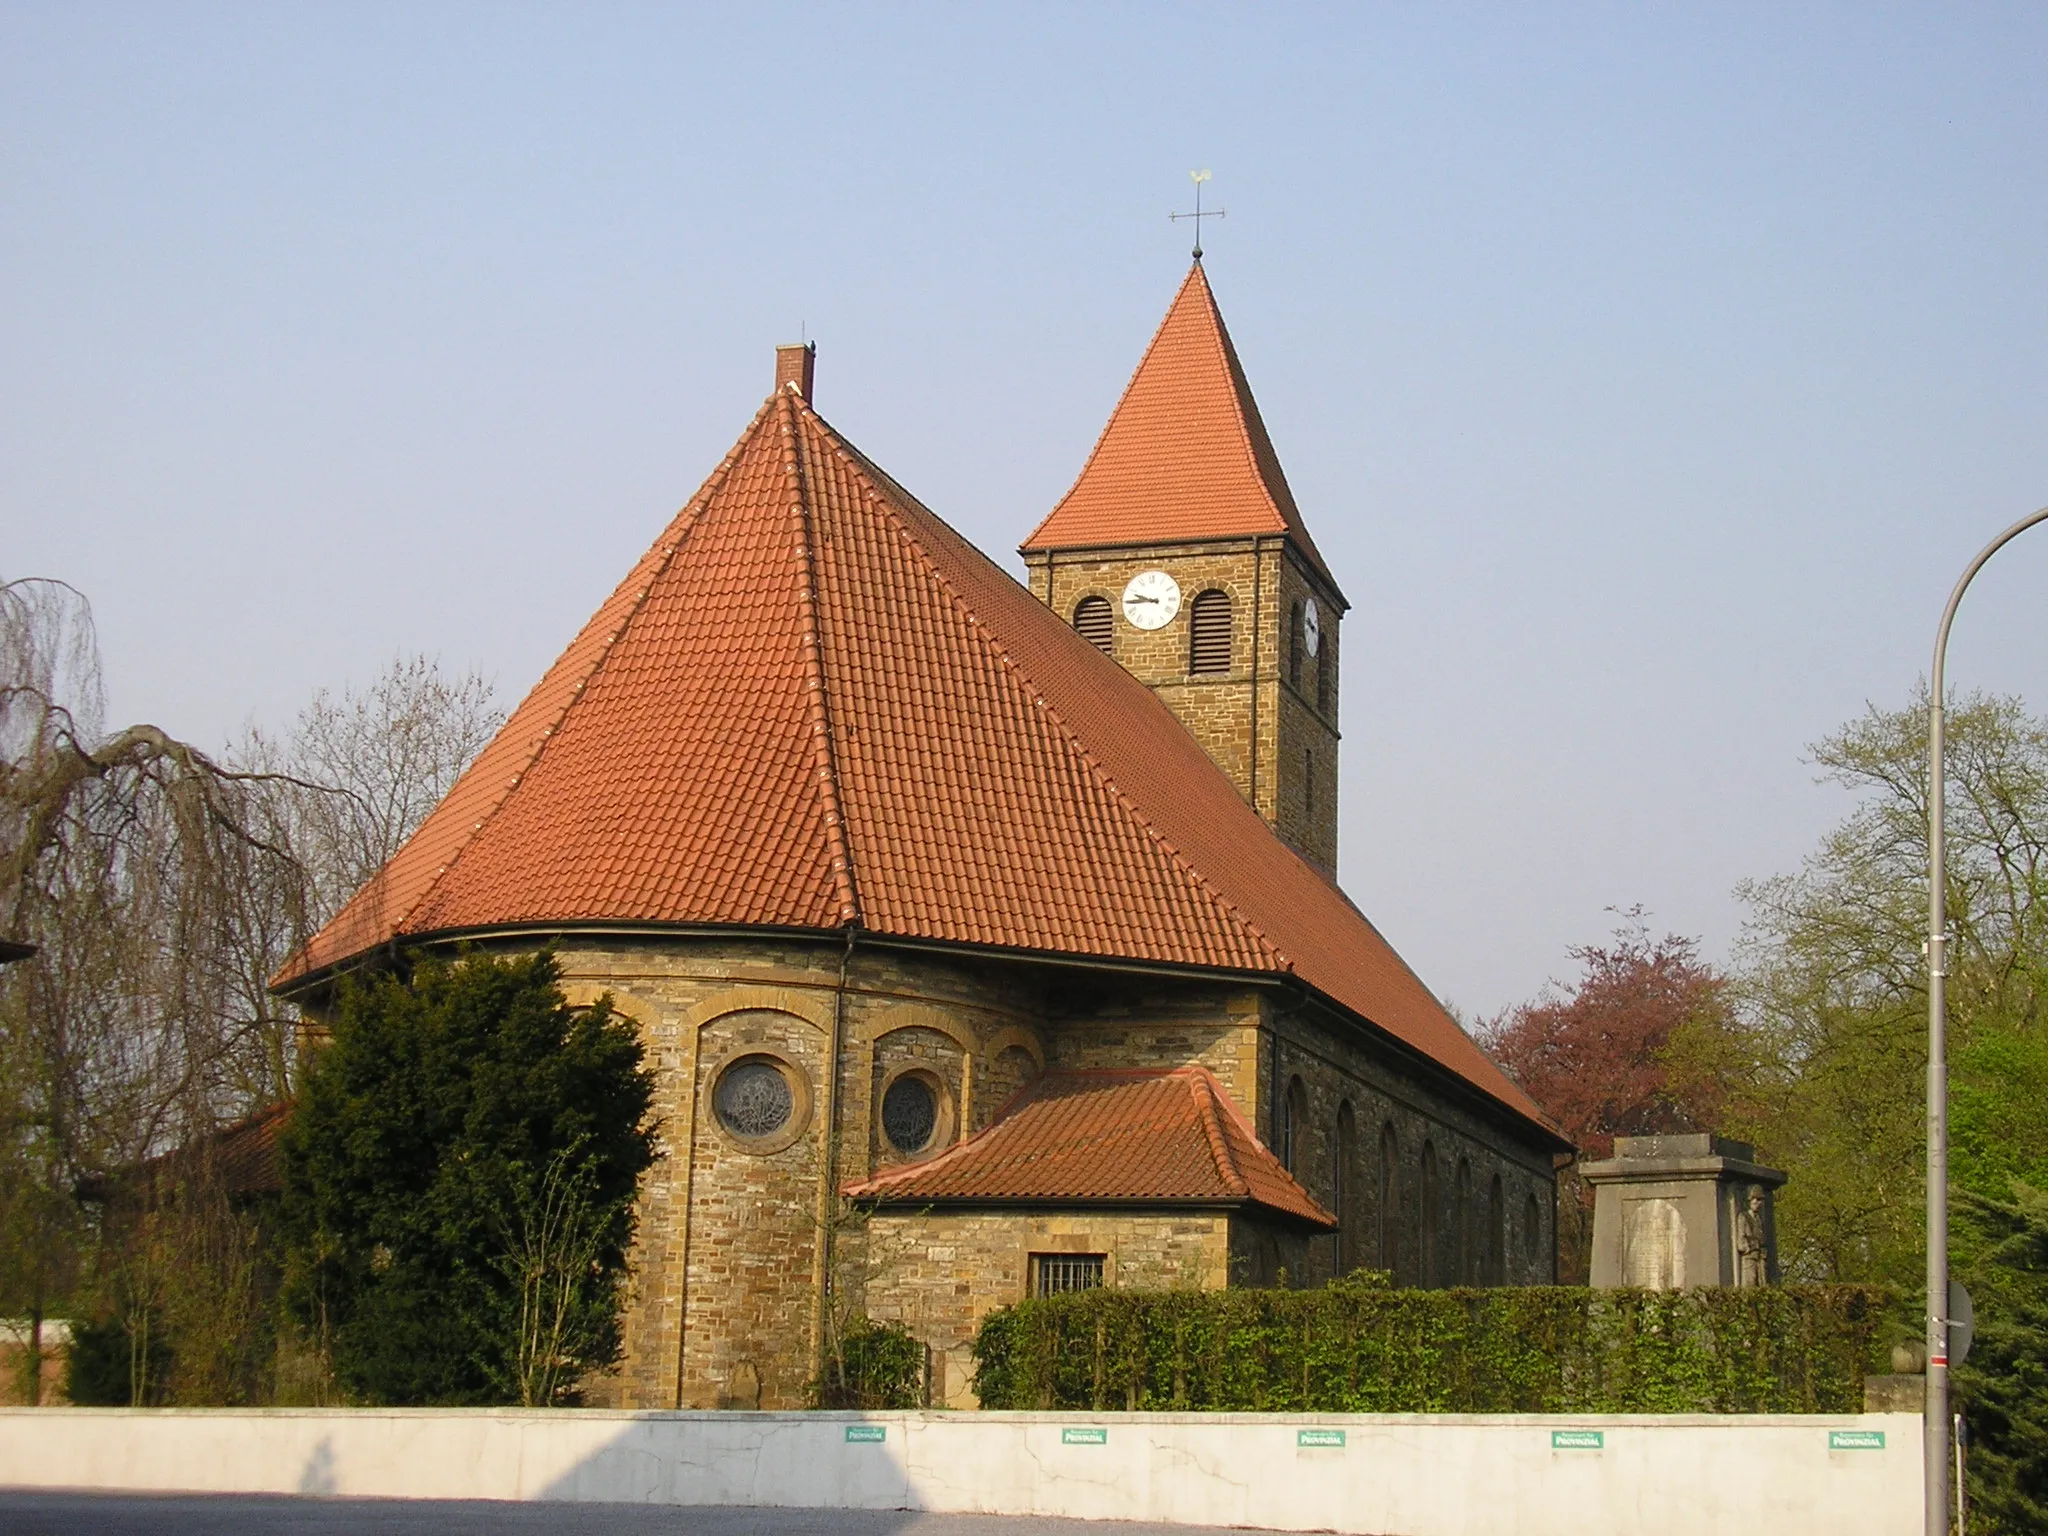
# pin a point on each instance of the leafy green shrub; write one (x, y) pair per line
(872, 1365)
(1357, 1346)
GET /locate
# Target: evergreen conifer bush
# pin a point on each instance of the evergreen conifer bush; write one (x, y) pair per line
(458, 1184)
(2003, 1386)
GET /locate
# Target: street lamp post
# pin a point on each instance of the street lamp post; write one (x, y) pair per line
(1935, 1434)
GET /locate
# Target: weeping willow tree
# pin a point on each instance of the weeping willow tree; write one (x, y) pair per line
(159, 890)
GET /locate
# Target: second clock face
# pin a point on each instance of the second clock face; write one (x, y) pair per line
(1151, 600)
(1312, 626)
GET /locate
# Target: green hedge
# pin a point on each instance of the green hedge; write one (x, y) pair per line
(1357, 1346)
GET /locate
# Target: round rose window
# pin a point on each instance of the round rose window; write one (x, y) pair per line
(910, 1113)
(753, 1098)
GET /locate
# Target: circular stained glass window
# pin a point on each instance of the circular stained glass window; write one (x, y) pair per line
(753, 1098)
(910, 1113)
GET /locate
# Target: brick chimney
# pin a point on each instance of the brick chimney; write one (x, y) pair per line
(796, 365)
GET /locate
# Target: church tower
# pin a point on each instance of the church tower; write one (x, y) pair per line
(1180, 553)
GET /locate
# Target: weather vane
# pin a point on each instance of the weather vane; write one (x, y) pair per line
(1200, 213)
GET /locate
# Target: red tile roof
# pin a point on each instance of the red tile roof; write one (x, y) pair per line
(813, 704)
(1107, 1138)
(240, 1159)
(1185, 455)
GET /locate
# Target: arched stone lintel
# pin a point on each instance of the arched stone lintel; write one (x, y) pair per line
(901, 1016)
(814, 1011)
(1016, 1035)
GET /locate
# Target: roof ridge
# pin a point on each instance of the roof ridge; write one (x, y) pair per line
(1115, 410)
(818, 702)
(1265, 458)
(1202, 1086)
(1098, 770)
(693, 511)
(1240, 388)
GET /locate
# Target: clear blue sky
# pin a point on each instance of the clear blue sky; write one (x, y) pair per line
(1647, 373)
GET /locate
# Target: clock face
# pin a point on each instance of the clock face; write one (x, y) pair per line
(1151, 600)
(1312, 626)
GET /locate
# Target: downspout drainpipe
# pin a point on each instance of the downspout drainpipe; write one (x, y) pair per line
(828, 1184)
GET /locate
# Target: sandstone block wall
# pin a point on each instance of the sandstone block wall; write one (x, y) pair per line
(731, 1283)
(745, 1256)
(938, 1273)
(1259, 725)
(1360, 1134)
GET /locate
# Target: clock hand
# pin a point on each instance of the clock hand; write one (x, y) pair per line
(1140, 597)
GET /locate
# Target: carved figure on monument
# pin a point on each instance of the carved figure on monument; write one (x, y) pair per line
(1752, 1250)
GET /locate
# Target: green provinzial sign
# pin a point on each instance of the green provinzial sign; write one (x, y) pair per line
(1578, 1439)
(1326, 1438)
(1855, 1439)
(1084, 1437)
(866, 1434)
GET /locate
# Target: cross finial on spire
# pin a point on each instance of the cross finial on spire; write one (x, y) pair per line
(1200, 213)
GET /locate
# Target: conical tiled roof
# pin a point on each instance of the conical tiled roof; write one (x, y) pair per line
(1104, 1137)
(1185, 455)
(813, 704)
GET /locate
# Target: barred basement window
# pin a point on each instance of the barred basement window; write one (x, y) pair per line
(1209, 634)
(1056, 1274)
(1095, 623)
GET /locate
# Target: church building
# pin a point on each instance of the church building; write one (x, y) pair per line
(985, 936)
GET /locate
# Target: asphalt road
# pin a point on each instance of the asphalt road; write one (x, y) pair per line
(105, 1514)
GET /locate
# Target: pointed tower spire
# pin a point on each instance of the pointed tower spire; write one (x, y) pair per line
(1185, 455)
(1182, 518)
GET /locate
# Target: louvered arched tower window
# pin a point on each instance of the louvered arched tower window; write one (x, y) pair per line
(1092, 618)
(1209, 634)
(1294, 644)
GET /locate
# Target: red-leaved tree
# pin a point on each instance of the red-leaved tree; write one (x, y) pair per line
(1608, 1057)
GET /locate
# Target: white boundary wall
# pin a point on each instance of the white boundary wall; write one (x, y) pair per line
(1412, 1474)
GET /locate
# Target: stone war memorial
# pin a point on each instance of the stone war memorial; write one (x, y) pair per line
(985, 936)
(1673, 1211)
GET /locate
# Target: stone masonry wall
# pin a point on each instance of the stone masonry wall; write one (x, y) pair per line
(1141, 1022)
(731, 1290)
(1258, 727)
(728, 1292)
(1381, 1201)
(937, 1273)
